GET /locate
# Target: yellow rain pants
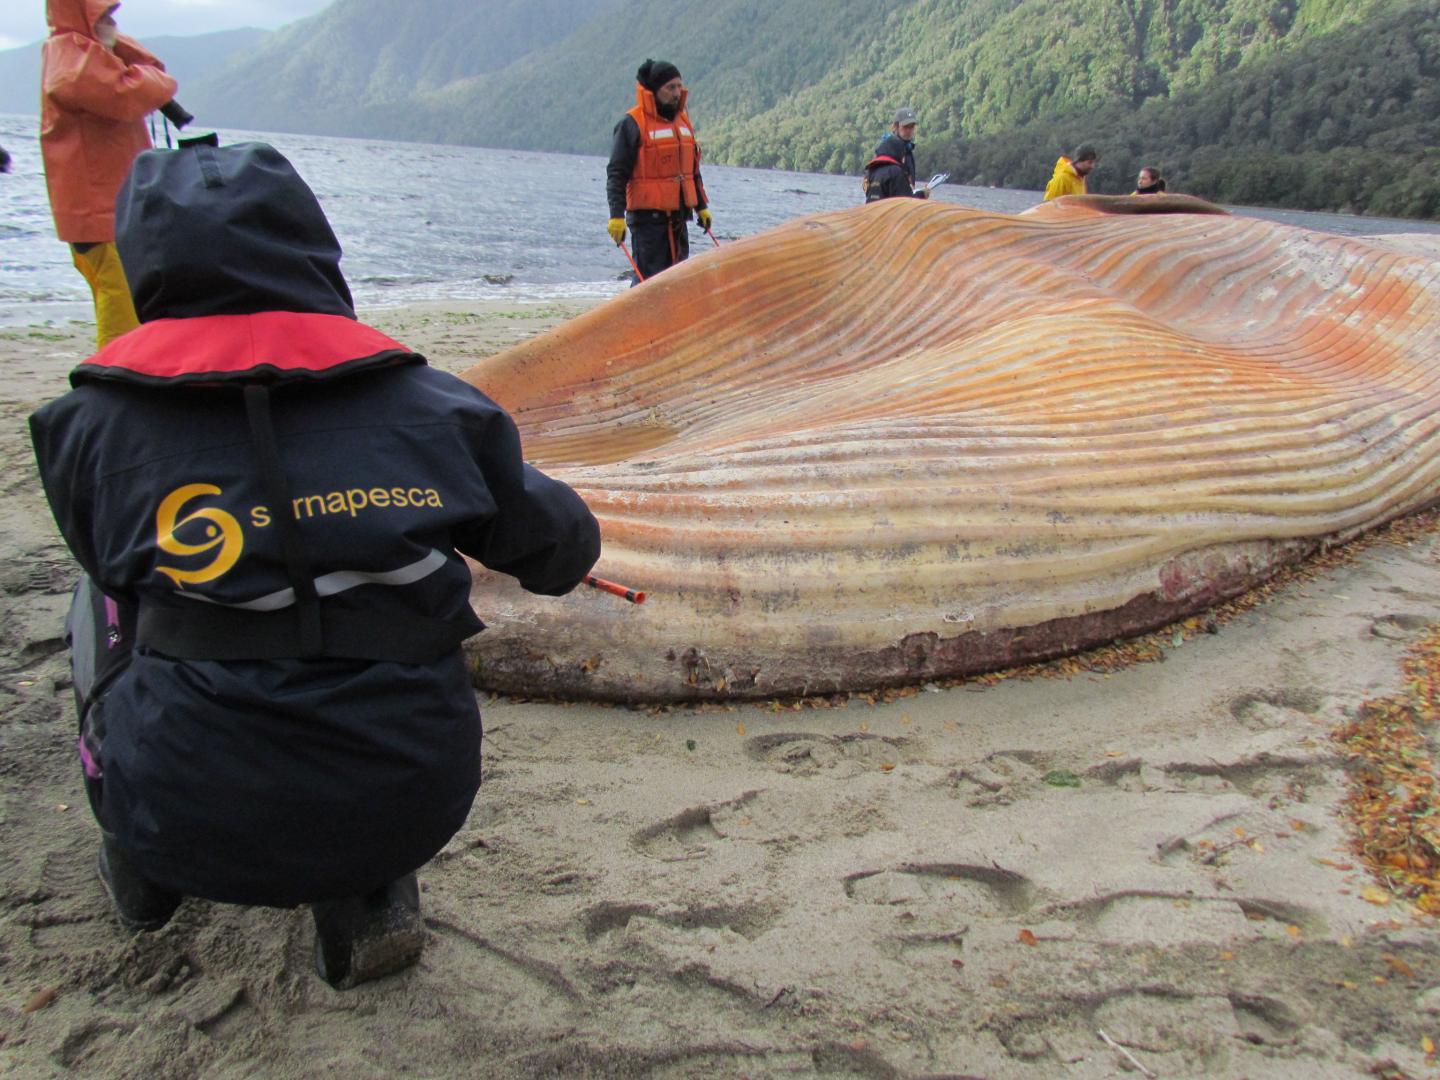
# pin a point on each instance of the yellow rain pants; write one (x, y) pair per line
(114, 310)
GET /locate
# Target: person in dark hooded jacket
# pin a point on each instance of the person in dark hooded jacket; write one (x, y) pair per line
(890, 173)
(270, 501)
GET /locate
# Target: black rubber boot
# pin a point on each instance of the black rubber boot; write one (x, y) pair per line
(367, 937)
(138, 904)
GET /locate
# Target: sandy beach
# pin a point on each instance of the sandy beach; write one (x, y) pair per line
(1076, 872)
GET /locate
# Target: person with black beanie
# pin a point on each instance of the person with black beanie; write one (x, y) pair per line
(652, 182)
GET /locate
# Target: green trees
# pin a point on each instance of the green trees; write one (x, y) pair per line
(1348, 120)
(1325, 104)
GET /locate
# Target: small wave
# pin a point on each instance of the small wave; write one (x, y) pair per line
(44, 313)
(480, 289)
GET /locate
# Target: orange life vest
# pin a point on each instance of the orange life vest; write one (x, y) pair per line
(666, 162)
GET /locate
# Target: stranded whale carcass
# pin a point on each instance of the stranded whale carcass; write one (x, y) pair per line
(913, 440)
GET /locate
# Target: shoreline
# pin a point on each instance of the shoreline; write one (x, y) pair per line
(970, 879)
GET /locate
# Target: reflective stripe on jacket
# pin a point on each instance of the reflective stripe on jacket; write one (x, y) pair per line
(93, 105)
(667, 162)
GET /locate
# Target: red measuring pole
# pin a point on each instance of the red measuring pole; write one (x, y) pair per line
(621, 245)
(633, 595)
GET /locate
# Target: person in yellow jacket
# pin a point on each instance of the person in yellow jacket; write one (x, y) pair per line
(652, 182)
(96, 88)
(1070, 173)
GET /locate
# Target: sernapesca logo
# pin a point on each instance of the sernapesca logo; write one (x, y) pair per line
(208, 528)
(215, 538)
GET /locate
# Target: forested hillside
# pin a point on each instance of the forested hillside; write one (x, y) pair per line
(1347, 120)
(975, 68)
(1315, 103)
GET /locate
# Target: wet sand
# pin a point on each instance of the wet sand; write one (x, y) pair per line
(975, 881)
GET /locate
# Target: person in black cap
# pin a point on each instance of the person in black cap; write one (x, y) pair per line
(652, 182)
(890, 173)
(270, 501)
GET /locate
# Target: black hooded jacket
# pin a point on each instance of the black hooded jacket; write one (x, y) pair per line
(890, 174)
(900, 150)
(283, 494)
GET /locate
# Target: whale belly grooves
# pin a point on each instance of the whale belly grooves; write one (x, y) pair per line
(912, 440)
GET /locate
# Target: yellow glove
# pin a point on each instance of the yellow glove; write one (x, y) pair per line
(617, 229)
(703, 216)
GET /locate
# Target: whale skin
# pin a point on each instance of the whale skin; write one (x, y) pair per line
(913, 440)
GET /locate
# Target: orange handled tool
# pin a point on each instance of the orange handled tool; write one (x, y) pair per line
(633, 595)
(638, 275)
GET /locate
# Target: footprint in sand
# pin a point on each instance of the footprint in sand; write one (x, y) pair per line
(1158, 1019)
(1266, 710)
(774, 821)
(807, 753)
(1399, 627)
(749, 921)
(1277, 779)
(687, 835)
(987, 891)
(995, 780)
(1137, 916)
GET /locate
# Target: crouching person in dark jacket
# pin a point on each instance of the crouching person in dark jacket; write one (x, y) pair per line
(270, 501)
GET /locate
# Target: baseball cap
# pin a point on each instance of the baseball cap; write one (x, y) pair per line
(905, 116)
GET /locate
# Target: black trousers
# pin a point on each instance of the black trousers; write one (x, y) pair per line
(101, 634)
(662, 239)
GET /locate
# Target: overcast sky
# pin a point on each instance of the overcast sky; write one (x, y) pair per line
(23, 21)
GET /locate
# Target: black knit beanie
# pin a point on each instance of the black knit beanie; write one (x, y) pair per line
(654, 74)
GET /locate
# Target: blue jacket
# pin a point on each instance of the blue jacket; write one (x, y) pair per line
(284, 495)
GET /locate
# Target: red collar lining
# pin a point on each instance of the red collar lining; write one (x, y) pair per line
(271, 343)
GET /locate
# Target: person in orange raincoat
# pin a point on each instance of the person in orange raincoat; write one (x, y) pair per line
(96, 88)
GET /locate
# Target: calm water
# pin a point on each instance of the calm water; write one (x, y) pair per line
(422, 222)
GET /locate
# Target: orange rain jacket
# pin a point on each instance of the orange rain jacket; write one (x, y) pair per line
(667, 163)
(93, 104)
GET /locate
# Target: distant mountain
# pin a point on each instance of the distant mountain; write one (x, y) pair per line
(1313, 103)
(189, 59)
(799, 83)
(741, 59)
(357, 67)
